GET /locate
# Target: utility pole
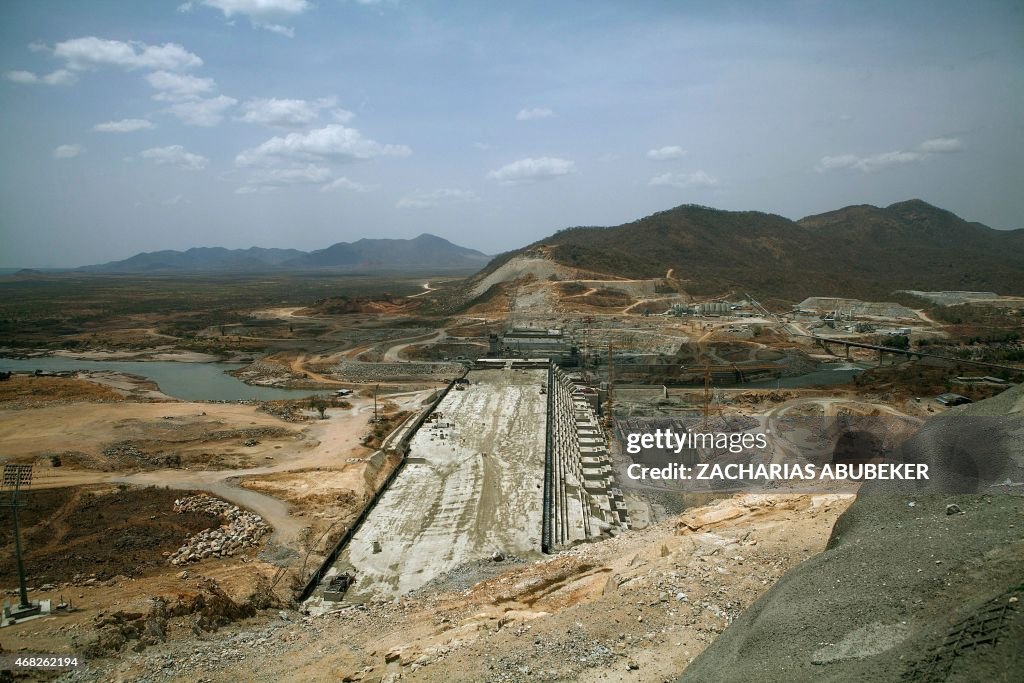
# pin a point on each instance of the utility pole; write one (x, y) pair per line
(375, 403)
(16, 476)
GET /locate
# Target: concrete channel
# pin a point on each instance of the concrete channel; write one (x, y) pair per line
(509, 460)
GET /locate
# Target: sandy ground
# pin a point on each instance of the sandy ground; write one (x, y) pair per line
(327, 444)
(637, 608)
(472, 486)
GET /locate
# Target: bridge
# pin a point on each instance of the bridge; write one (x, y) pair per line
(824, 342)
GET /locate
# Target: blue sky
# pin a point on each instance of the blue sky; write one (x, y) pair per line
(133, 126)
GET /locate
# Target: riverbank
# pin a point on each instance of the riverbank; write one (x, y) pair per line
(187, 381)
(158, 353)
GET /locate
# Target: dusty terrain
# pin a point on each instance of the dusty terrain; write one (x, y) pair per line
(100, 527)
(635, 608)
(24, 391)
(95, 532)
(485, 607)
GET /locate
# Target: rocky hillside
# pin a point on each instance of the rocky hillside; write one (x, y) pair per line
(863, 251)
(634, 608)
(917, 584)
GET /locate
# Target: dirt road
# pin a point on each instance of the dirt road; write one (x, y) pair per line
(324, 444)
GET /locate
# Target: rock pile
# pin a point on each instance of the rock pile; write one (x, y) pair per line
(243, 529)
(355, 371)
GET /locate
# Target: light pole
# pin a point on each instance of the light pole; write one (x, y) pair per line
(15, 477)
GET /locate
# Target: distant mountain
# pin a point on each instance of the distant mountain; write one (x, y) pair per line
(200, 259)
(858, 251)
(425, 252)
(421, 253)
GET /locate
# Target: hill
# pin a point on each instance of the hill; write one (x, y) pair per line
(423, 253)
(909, 589)
(861, 251)
(420, 253)
(200, 259)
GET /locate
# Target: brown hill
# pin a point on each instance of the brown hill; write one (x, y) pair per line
(861, 251)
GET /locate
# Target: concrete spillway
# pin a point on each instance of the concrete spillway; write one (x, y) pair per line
(472, 485)
(514, 462)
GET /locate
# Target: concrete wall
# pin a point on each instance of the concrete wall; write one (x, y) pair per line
(585, 503)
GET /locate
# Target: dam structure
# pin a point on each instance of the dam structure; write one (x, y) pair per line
(509, 463)
(584, 501)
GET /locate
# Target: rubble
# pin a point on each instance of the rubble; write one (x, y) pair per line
(243, 529)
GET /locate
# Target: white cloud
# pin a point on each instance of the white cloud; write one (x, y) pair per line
(667, 153)
(425, 199)
(174, 87)
(58, 77)
(342, 115)
(260, 12)
(840, 161)
(343, 183)
(68, 151)
(882, 160)
(685, 180)
(332, 142)
(258, 8)
(22, 77)
(290, 113)
(531, 170)
(123, 126)
(899, 157)
(305, 175)
(941, 145)
(534, 113)
(870, 163)
(175, 155)
(91, 53)
(286, 31)
(208, 112)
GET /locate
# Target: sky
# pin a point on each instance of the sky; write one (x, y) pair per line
(140, 126)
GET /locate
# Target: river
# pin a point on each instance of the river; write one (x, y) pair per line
(186, 381)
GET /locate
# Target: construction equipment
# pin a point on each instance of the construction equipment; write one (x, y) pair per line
(338, 586)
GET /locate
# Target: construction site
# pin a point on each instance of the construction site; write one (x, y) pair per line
(447, 495)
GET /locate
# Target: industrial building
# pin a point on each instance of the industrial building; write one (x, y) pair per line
(522, 342)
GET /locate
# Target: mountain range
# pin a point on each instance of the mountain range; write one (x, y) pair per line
(424, 253)
(858, 251)
(861, 251)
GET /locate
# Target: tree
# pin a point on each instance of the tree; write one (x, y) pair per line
(318, 404)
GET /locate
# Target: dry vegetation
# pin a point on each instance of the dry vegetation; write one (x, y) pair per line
(30, 390)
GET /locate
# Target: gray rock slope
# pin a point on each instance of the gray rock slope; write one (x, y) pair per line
(909, 588)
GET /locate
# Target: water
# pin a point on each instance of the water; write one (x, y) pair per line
(187, 381)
